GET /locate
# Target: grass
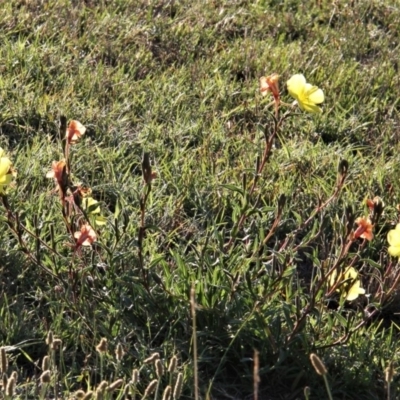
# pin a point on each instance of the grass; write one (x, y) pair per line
(179, 81)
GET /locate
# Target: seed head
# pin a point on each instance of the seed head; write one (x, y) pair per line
(14, 375)
(318, 365)
(389, 372)
(172, 364)
(4, 360)
(102, 346)
(56, 344)
(127, 390)
(80, 394)
(159, 369)
(45, 363)
(4, 380)
(178, 386)
(167, 393)
(152, 359)
(49, 338)
(88, 395)
(151, 387)
(102, 387)
(45, 377)
(119, 352)
(10, 387)
(135, 377)
(115, 385)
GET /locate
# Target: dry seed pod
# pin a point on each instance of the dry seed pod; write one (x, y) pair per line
(159, 369)
(115, 385)
(167, 393)
(45, 377)
(102, 346)
(152, 358)
(172, 364)
(148, 175)
(343, 168)
(178, 386)
(318, 365)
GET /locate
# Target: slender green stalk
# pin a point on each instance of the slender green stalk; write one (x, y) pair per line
(194, 341)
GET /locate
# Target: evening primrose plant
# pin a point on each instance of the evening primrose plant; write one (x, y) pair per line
(186, 213)
(79, 209)
(340, 276)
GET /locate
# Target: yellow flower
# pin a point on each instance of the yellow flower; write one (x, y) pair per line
(349, 284)
(6, 171)
(90, 205)
(307, 95)
(393, 238)
(354, 286)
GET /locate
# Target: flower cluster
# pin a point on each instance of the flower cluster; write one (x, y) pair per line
(306, 96)
(76, 199)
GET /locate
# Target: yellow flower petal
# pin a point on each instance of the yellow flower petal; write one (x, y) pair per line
(393, 236)
(100, 220)
(316, 95)
(296, 85)
(311, 108)
(394, 251)
(5, 179)
(349, 284)
(355, 291)
(351, 273)
(89, 203)
(5, 165)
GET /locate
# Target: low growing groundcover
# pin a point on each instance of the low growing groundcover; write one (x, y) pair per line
(199, 200)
